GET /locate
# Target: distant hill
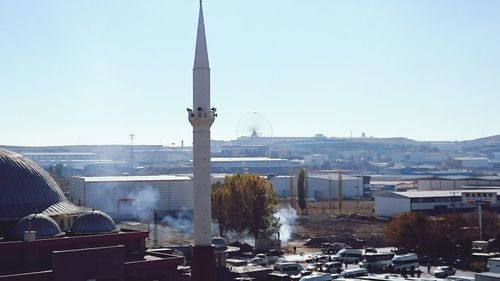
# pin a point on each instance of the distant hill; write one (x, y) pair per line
(495, 138)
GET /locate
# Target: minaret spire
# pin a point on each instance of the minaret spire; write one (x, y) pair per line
(201, 68)
(201, 54)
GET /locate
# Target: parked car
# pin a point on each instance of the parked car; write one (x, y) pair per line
(317, 277)
(318, 258)
(301, 274)
(354, 273)
(444, 271)
(370, 250)
(332, 248)
(289, 268)
(332, 267)
(276, 276)
(257, 261)
(268, 258)
(461, 263)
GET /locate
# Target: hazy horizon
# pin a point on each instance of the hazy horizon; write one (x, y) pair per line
(92, 72)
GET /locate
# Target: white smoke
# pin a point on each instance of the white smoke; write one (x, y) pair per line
(287, 217)
(144, 202)
(182, 222)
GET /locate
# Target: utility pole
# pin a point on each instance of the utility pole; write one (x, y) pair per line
(330, 188)
(339, 162)
(357, 198)
(291, 191)
(131, 137)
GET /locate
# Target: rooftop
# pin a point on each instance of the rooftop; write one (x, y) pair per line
(437, 193)
(136, 178)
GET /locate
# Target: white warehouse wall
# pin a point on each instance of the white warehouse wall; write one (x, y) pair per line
(132, 199)
(388, 207)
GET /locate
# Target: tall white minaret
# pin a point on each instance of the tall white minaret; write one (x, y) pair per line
(201, 117)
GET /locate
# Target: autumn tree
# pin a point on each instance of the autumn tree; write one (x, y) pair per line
(301, 191)
(245, 202)
(409, 231)
(219, 212)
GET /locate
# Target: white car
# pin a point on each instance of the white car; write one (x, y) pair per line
(444, 271)
(257, 261)
(317, 258)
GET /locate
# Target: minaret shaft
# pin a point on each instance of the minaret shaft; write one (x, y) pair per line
(201, 117)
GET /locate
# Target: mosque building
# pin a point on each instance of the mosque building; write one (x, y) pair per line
(44, 237)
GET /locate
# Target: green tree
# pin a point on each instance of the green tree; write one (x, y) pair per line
(301, 190)
(245, 202)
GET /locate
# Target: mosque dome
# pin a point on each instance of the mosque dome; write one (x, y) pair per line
(94, 222)
(44, 226)
(25, 188)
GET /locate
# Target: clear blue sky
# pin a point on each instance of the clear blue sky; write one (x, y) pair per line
(91, 72)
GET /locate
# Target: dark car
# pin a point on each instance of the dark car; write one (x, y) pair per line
(444, 271)
(461, 263)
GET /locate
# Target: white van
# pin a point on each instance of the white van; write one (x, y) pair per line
(404, 262)
(288, 268)
(348, 255)
(354, 273)
(317, 277)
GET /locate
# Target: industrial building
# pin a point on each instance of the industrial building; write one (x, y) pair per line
(455, 182)
(133, 196)
(44, 237)
(259, 165)
(390, 204)
(321, 186)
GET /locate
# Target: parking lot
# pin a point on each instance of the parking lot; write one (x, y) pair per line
(301, 259)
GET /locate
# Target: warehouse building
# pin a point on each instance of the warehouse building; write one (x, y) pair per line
(133, 196)
(390, 204)
(321, 186)
(258, 165)
(455, 182)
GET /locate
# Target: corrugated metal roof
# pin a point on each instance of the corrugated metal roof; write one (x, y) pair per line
(436, 193)
(333, 176)
(246, 159)
(25, 188)
(454, 178)
(392, 182)
(136, 178)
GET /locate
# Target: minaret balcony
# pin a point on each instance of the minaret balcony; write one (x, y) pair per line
(202, 117)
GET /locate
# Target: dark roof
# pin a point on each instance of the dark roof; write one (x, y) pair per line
(25, 188)
(94, 222)
(44, 226)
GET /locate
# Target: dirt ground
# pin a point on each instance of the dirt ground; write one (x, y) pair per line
(356, 226)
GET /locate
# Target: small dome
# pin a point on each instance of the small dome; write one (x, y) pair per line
(219, 242)
(94, 222)
(44, 226)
